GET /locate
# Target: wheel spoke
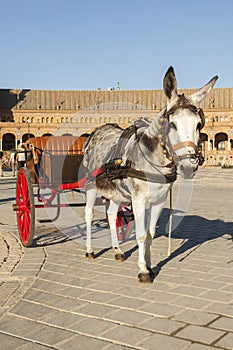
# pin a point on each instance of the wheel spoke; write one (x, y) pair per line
(25, 202)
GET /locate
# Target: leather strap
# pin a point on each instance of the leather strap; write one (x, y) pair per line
(183, 145)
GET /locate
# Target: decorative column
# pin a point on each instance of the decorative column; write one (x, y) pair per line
(211, 138)
(209, 145)
(213, 144)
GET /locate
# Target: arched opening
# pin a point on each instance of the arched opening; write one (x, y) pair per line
(27, 136)
(85, 135)
(47, 134)
(67, 134)
(203, 140)
(231, 142)
(220, 139)
(8, 142)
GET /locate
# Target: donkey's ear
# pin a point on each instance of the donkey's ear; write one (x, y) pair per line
(170, 85)
(198, 96)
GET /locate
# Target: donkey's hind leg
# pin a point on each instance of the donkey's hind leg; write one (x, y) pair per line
(112, 216)
(89, 208)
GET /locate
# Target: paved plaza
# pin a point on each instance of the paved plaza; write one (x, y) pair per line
(52, 297)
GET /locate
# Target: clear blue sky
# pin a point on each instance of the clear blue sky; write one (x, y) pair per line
(89, 44)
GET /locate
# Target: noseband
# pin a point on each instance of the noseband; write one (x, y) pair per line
(196, 157)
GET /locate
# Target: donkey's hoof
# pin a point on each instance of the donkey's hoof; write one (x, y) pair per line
(120, 257)
(144, 277)
(90, 256)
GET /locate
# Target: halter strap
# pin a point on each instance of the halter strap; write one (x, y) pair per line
(184, 144)
(182, 102)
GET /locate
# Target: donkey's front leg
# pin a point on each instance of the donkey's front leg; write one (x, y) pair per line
(112, 216)
(90, 202)
(155, 211)
(139, 208)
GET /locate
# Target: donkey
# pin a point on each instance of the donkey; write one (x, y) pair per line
(154, 155)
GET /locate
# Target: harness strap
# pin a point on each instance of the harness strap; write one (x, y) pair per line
(124, 138)
(150, 177)
(184, 144)
(113, 171)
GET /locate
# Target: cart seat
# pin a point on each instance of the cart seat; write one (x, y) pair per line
(55, 159)
(58, 145)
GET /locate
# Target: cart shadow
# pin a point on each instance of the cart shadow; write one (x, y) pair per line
(53, 236)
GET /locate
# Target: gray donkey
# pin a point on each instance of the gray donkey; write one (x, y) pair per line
(152, 157)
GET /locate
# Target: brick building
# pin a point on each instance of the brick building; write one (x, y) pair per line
(26, 113)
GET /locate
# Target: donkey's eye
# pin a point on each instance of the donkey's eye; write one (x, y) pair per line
(199, 126)
(173, 126)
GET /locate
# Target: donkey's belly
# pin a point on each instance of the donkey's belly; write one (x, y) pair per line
(116, 190)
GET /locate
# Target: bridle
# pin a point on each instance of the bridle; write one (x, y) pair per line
(196, 157)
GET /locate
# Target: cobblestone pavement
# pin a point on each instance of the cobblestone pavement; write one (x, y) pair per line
(51, 297)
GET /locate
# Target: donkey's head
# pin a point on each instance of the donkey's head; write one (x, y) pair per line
(184, 120)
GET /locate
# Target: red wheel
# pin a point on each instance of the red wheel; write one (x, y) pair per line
(25, 207)
(124, 222)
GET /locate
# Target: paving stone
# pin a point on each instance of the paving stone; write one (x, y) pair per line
(126, 335)
(200, 334)
(34, 346)
(49, 335)
(224, 279)
(162, 325)
(94, 309)
(117, 347)
(129, 303)
(61, 319)
(191, 302)
(84, 342)
(196, 346)
(18, 326)
(228, 288)
(214, 285)
(47, 286)
(159, 309)
(30, 310)
(224, 323)
(221, 309)
(129, 317)
(219, 296)
(160, 341)
(9, 342)
(99, 297)
(195, 317)
(93, 326)
(226, 342)
(187, 291)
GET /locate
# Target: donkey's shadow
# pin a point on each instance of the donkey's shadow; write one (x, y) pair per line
(194, 230)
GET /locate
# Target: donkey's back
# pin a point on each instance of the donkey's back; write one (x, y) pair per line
(101, 146)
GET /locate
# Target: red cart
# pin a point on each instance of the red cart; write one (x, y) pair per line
(55, 163)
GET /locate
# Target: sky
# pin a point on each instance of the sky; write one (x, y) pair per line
(90, 44)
